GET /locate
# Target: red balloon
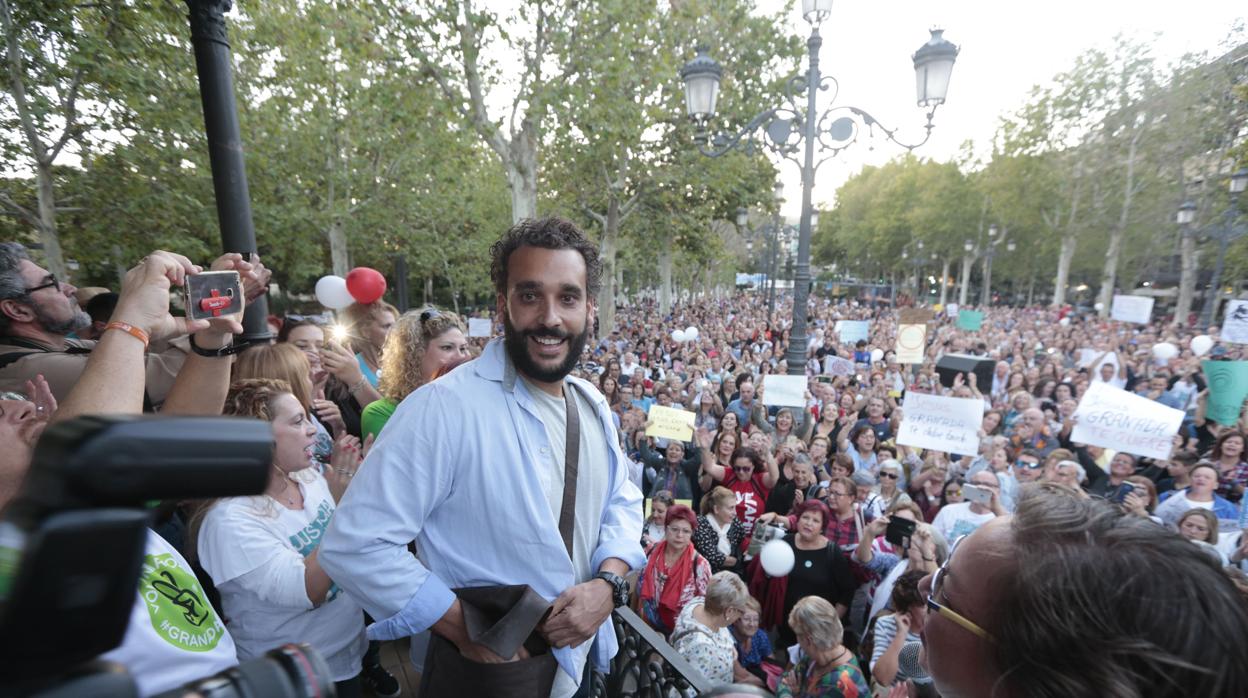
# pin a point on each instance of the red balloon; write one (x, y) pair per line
(365, 285)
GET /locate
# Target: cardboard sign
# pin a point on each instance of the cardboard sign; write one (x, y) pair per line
(1113, 418)
(480, 327)
(836, 366)
(1137, 309)
(1228, 388)
(1235, 324)
(914, 316)
(784, 391)
(670, 423)
(911, 343)
(970, 320)
(853, 330)
(949, 424)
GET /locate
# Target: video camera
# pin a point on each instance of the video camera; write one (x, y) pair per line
(72, 546)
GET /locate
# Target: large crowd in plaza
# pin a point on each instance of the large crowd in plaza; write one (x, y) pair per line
(1079, 569)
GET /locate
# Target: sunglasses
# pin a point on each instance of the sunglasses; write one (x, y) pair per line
(308, 319)
(954, 493)
(1029, 466)
(428, 315)
(890, 476)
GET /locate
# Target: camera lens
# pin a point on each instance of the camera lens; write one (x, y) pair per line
(290, 671)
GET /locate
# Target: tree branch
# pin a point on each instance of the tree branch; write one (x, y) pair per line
(69, 106)
(17, 84)
(480, 117)
(20, 210)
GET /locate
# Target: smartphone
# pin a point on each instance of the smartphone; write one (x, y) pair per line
(899, 530)
(894, 393)
(823, 379)
(212, 294)
(1120, 493)
(979, 495)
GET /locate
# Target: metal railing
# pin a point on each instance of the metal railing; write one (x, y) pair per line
(645, 665)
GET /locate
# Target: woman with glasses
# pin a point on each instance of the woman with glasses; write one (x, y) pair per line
(753, 644)
(825, 667)
(422, 346)
(750, 478)
(889, 490)
(339, 388)
(922, 551)
(675, 572)
(719, 534)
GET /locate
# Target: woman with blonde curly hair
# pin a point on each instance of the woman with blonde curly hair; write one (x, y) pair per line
(368, 326)
(422, 346)
(262, 552)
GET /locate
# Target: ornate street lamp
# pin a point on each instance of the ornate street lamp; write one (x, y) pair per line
(794, 128)
(1227, 232)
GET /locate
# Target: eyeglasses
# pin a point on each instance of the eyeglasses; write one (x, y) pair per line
(1029, 466)
(938, 580)
(891, 476)
(953, 493)
(48, 284)
(837, 494)
(308, 319)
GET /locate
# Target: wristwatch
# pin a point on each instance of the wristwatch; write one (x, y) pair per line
(619, 587)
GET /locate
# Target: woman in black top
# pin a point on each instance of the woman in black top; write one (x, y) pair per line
(819, 568)
(719, 533)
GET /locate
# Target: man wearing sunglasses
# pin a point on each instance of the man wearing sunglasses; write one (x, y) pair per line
(1038, 604)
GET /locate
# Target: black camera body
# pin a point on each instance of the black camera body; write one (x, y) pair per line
(72, 543)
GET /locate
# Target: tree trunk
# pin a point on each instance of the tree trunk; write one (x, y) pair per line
(665, 276)
(1031, 287)
(1187, 278)
(47, 222)
(1109, 275)
(607, 248)
(944, 282)
(428, 291)
(966, 280)
(338, 254)
(521, 168)
(1069, 241)
(985, 294)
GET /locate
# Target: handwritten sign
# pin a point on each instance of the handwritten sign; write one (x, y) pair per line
(1235, 325)
(949, 424)
(853, 330)
(951, 310)
(670, 423)
(480, 327)
(1137, 309)
(911, 341)
(836, 366)
(784, 391)
(970, 320)
(1113, 418)
(914, 316)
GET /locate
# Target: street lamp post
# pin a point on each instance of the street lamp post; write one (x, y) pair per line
(791, 128)
(995, 239)
(1226, 233)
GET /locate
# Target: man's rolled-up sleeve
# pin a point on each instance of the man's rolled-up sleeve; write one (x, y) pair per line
(405, 477)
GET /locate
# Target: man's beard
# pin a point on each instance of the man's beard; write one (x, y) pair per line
(517, 344)
(78, 321)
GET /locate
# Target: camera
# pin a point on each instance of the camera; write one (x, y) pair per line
(74, 549)
(762, 535)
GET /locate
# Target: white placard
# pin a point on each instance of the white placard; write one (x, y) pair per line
(1087, 355)
(784, 391)
(480, 327)
(1138, 309)
(951, 310)
(911, 343)
(1113, 418)
(949, 424)
(1235, 325)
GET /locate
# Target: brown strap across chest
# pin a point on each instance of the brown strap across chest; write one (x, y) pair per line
(571, 465)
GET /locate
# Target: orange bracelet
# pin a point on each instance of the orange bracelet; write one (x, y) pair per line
(128, 329)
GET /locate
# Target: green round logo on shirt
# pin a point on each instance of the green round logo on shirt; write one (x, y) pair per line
(177, 606)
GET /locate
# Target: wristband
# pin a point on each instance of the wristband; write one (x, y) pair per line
(129, 329)
(227, 350)
(359, 385)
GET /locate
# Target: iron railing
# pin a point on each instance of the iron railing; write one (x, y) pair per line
(646, 666)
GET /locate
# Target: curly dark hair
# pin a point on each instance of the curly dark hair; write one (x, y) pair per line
(906, 594)
(551, 233)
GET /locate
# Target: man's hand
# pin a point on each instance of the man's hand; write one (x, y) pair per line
(144, 298)
(577, 613)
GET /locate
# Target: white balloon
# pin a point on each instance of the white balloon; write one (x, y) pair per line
(877, 354)
(331, 292)
(1201, 344)
(1099, 307)
(1165, 351)
(678, 335)
(1064, 321)
(691, 333)
(776, 558)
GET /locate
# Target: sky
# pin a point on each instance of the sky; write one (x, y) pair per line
(1006, 49)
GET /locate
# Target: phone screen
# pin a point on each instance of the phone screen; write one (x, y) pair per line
(212, 294)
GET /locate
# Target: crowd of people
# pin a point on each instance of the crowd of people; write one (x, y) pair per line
(872, 524)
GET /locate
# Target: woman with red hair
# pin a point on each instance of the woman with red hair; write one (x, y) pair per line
(675, 572)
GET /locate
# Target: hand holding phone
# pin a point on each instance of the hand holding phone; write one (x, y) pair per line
(977, 494)
(213, 294)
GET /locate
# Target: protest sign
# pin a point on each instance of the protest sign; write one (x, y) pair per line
(970, 320)
(836, 366)
(1235, 325)
(1138, 309)
(670, 423)
(949, 424)
(480, 327)
(914, 316)
(1228, 388)
(951, 310)
(1113, 418)
(911, 341)
(784, 391)
(853, 330)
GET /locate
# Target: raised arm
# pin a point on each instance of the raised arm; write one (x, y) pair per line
(773, 471)
(716, 471)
